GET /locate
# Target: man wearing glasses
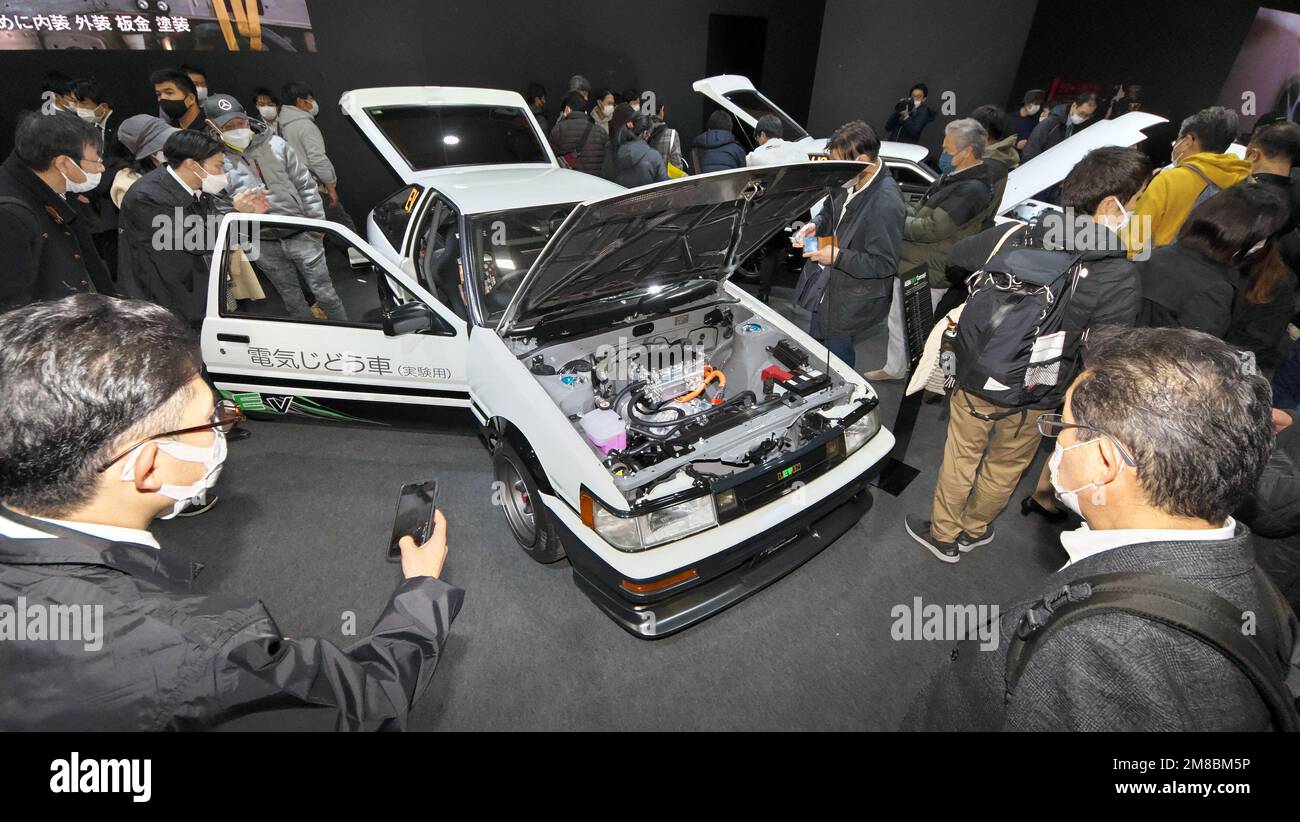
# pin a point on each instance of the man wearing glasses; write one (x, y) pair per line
(47, 251)
(1162, 437)
(105, 425)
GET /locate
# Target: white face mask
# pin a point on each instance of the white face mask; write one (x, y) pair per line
(202, 91)
(212, 457)
(1070, 499)
(238, 138)
(92, 180)
(212, 183)
(1076, 119)
(159, 157)
(607, 111)
(269, 113)
(1032, 108)
(315, 108)
(86, 114)
(1123, 220)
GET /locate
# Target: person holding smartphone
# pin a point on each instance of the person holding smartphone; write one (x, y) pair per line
(115, 428)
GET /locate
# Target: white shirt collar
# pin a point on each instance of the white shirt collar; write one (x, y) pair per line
(184, 184)
(1084, 542)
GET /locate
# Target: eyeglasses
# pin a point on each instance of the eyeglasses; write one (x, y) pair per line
(227, 415)
(1051, 425)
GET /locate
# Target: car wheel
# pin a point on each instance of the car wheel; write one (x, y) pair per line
(516, 493)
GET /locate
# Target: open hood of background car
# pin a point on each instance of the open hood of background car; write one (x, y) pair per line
(736, 94)
(422, 130)
(1052, 166)
(627, 248)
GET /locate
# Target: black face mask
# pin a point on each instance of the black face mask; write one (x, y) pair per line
(174, 109)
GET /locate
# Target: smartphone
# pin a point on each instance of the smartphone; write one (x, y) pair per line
(415, 507)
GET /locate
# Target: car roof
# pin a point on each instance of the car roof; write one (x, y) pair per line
(478, 189)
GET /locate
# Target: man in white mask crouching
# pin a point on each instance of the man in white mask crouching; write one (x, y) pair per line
(105, 425)
(1160, 620)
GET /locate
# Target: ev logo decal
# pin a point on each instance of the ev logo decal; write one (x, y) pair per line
(279, 405)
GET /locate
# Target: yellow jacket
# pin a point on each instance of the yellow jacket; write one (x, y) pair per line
(1169, 197)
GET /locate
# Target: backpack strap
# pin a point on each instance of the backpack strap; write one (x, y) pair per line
(1173, 602)
(1208, 182)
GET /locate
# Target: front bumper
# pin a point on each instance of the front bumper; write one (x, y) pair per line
(726, 577)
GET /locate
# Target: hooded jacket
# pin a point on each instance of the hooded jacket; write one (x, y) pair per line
(1001, 158)
(952, 209)
(269, 161)
(1170, 196)
(299, 130)
(719, 151)
(638, 164)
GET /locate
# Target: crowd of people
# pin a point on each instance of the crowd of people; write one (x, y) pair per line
(1131, 331)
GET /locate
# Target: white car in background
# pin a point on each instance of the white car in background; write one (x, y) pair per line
(680, 442)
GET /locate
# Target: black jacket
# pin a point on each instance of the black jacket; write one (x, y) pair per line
(170, 659)
(47, 248)
(870, 237)
(1114, 672)
(1050, 132)
(718, 151)
(1108, 295)
(1183, 288)
(580, 134)
(909, 130)
(1274, 509)
(174, 277)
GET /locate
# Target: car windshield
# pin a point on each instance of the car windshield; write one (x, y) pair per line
(757, 106)
(436, 136)
(504, 246)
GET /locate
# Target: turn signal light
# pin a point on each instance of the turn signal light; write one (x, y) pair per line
(658, 585)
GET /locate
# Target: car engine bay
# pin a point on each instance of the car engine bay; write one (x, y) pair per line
(703, 394)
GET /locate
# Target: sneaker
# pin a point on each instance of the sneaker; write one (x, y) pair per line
(966, 542)
(919, 530)
(881, 375)
(193, 510)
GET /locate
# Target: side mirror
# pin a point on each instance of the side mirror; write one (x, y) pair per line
(408, 318)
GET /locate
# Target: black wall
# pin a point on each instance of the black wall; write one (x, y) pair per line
(493, 43)
(1180, 51)
(872, 51)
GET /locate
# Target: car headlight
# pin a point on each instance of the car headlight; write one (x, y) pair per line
(857, 434)
(654, 528)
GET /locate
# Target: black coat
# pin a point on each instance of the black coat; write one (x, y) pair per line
(173, 660)
(637, 162)
(1049, 133)
(174, 277)
(861, 282)
(909, 130)
(1112, 672)
(1182, 288)
(47, 249)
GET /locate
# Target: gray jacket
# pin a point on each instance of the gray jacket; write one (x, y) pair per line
(269, 161)
(1112, 672)
(299, 130)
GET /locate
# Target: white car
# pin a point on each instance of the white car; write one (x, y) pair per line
(680, 442)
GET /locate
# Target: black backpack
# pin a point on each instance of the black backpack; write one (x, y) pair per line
(1011, 347)
(1272, 665)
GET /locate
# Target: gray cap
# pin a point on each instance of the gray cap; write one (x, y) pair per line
(144, 134)
(220, 108)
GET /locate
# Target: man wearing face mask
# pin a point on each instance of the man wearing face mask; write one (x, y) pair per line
(1027, 117)
(911, 115)
(199, 78)
(989, 445)
(268, 107)
(1200, 166)
(93, 107)
(1156, 495)
(158, 259)
(257, 160)
(1059, 125)
(46, 245)
(178, 101)
(297, 125)
(124, 430)
(954, 207)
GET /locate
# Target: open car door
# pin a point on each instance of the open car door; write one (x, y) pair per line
(378, 338)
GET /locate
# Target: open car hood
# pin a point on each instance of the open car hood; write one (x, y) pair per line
(629, 247)
(1052, 166)
(399, 121)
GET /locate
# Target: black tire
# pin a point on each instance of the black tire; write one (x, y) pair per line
(530, 523)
